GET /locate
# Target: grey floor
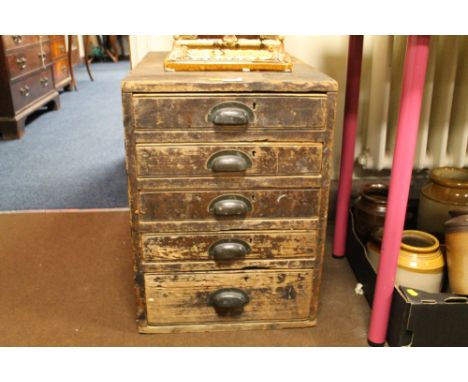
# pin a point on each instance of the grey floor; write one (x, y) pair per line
(74, 157)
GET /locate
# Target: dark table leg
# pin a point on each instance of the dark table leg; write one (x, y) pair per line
(86, 43)
(70, 62)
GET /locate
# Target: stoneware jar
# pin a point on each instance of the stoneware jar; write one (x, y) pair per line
(370, 208)
(456, 241)
(420, 263)
(447, 190)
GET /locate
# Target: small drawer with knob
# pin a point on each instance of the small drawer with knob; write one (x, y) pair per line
(225, 297)
(61, 71)
(221, 112)
(28, 89)
(58, 47)
(271, 159)
(27, 60)
(19, 41)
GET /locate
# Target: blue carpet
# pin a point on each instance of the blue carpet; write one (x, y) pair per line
(74, 157)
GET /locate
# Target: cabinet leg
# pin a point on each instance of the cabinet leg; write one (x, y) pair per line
(12, 129)
(54, 104)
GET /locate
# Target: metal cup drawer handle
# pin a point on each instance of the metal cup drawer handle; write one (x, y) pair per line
(230, 205)
(228, 301)
(229, 161)
(230, 113)
(228, 249)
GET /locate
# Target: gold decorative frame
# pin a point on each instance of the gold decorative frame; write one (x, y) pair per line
(228, 52)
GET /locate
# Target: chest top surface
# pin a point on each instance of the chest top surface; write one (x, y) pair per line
(149, 77)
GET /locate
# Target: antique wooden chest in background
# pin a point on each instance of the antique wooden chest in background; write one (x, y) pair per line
(228, 185)
(33, 68)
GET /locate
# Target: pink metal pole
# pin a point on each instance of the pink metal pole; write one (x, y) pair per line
(414, 74)
(349, 142)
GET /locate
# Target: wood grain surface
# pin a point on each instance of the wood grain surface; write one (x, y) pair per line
(187, 111)
(149, 76)
(194, 205)
(28, 89)
(263, 245)
(286, 139)
(265, 158)
(183, 297)
(27, 60)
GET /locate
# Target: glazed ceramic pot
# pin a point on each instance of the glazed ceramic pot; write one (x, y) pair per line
(447, 190)
(456, 241)
(420, 263)
(370, 209)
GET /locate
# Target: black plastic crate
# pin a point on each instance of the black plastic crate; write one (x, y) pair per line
(417, 318)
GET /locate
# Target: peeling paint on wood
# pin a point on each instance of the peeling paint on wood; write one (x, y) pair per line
(271, 297)
(191, 111)
(149, 76)
(188, 205)
(266, 159)
(169, 140)
(263, 245)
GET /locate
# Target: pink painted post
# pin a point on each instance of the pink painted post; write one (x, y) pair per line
(414, 74)
(349, 141)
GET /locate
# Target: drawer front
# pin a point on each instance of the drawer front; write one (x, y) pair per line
(23, 61)
(32, 87)
(256, 111)
(18, 41)
(182, 205)
(56, 36)
(228, 296)
(226, 159)
(228, 246)
(58, 47)
(61, 70)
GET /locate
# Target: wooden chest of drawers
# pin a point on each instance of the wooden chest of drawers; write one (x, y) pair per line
(32, 70)
(228, 188)
(26, 81)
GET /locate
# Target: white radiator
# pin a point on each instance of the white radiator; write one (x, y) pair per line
(443, 130)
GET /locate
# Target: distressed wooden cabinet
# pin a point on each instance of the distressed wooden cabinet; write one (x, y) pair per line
(229, 178)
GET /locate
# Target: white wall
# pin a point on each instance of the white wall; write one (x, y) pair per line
(329, 55)
(80, 44)
(140, 45)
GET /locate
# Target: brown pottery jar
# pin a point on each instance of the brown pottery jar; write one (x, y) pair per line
(447, 190)
(371, 207)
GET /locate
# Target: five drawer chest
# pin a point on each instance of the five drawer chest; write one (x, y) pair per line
(229, 178)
